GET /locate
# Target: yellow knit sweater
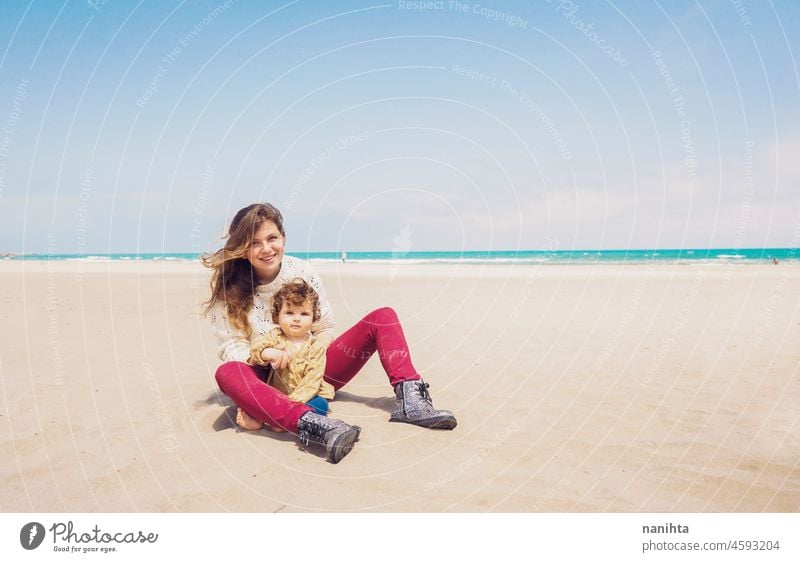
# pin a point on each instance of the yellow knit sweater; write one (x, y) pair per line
(302, 379)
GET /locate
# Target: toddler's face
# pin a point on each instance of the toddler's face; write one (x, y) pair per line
(295, 320)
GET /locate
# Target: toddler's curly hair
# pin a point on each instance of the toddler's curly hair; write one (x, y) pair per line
(295, 292)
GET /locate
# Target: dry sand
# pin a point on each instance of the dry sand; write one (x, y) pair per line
(577, 388)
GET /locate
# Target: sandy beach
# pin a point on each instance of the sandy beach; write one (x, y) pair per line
(579, 388)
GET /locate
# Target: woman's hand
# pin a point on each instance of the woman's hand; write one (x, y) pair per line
(277, 357)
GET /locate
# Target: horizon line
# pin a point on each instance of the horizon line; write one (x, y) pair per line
(403, 252)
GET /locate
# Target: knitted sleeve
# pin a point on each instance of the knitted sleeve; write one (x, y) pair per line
(326, 321)
(232, 343)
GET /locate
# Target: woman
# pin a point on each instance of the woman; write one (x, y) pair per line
(247, 272)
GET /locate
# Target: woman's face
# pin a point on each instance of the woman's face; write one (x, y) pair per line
(266, 252)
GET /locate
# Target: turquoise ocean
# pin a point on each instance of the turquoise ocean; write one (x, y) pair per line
(532, 257)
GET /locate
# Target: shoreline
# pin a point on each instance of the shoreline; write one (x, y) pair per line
(401, 268)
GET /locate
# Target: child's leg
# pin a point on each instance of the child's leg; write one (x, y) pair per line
(260, 401)
(319, 405)
(380, 331)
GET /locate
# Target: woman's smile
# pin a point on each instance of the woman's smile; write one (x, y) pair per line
(266, 251)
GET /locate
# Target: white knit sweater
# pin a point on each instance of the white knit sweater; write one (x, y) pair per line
(234, 346)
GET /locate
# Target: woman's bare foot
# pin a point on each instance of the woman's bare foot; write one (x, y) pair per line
(274, 428)
(246, 421)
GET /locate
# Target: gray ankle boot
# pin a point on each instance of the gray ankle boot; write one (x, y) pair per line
(337, 436)
(413, 405)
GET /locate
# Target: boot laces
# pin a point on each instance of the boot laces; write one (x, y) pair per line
(422, 388)
(310, 431)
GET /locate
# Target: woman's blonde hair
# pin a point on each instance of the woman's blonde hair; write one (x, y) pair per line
(233, 280)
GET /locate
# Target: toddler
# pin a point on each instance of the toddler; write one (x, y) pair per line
(295, 307)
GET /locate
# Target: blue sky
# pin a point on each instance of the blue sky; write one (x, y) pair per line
(144, 126)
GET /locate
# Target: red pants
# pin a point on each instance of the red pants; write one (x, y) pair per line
(380, 331)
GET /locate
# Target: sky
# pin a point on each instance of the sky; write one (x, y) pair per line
(442, 125)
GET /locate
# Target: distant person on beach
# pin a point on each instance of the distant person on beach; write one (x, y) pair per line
(246, 273)
(774, 261)
(294, 308)
(344, 257)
